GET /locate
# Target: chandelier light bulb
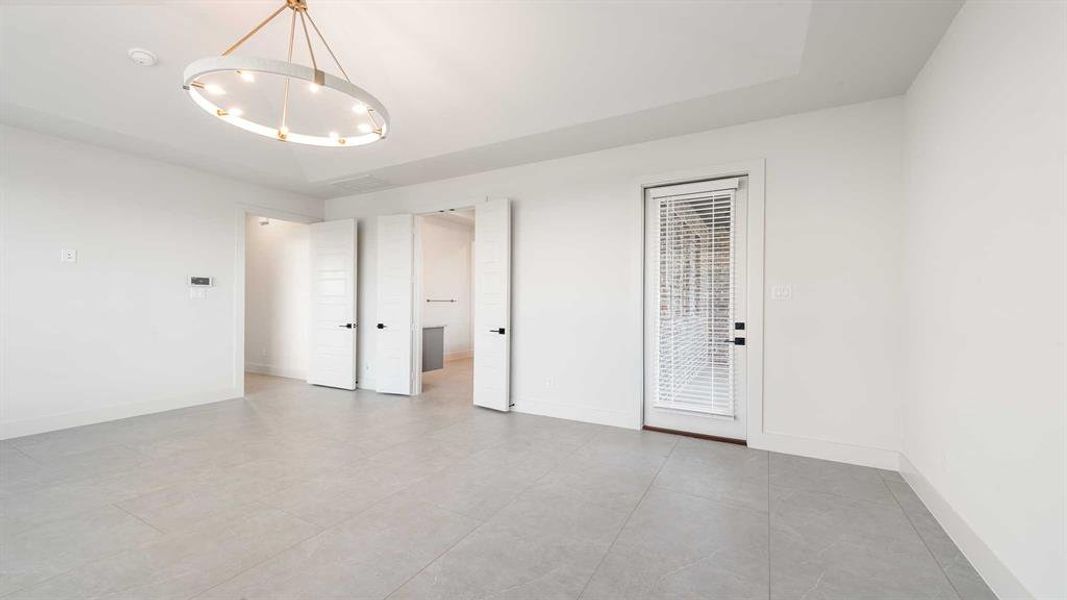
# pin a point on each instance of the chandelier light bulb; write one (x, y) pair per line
(334, 135)
(360, 109)
(214, 90)
(235, 112)
(247, 76)
(364, 128)
(314, 87)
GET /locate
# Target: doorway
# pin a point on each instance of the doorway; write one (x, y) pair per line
(276, 298)
(695, 308)
(401, 300)
(444, 298)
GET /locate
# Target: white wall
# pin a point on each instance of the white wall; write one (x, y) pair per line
(984, 276)
(446, 274)
(833, 189)
(115, 334)
(277, 297)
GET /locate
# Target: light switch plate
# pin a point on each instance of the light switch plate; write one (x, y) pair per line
(781, 292)
(197, 293)
(68, 255)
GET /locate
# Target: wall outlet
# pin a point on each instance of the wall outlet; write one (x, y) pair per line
(781, 292)
(68, 255)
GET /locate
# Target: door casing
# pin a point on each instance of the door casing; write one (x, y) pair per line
(754, 170)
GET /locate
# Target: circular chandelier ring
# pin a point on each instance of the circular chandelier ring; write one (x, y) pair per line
(216, 64)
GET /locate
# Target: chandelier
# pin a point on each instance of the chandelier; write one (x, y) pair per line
(212, 83)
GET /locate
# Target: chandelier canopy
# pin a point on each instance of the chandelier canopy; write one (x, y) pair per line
(304, 114)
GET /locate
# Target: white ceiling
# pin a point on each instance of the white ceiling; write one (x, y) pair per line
(470, 86)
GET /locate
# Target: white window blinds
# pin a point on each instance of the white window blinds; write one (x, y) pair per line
(695, 367)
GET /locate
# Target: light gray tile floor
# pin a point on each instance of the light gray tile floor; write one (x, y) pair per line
(301, 492)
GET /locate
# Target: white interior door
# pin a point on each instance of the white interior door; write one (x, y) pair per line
(492, 304)
(695, 282)
(394, 368)
(333, 304)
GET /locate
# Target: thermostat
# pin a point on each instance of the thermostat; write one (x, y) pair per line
(197, 281)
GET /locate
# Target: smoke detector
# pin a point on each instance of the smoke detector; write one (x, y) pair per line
(142, 57)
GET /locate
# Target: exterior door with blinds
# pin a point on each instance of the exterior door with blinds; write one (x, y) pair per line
(695, 307)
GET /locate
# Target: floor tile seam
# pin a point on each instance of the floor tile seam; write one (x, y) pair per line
(139, 518)
(104, 556)
(626, 522)
(716, 501)
(260, 562)
(389, 496)
(771, 485)
(479, 526)
(940, 567)
(78, 513)
(81, 478)
(442, 553)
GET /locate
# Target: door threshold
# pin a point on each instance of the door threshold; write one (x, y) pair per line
(699, 436)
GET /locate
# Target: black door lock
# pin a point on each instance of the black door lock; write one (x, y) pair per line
(500, 331)
(348, 325)
(381, 325)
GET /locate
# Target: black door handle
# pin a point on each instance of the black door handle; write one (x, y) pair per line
(381, 325)
(348, 325)
(500, 331)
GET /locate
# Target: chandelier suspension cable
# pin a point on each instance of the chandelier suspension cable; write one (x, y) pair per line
(303, 23)
(283, 130)
(328, 49)
(255, 29)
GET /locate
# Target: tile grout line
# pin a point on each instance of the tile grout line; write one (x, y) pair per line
(82, 564)
(482, 524)
(626, 522)
(321, 531)
(265, 559)
(911, 522)
(195, 594)
(139, 518)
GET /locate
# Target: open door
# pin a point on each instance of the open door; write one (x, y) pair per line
(395, 369)
(333, 304)
(492, 304)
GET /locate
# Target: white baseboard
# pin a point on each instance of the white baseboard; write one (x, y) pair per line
(573, 412)
(276, 371)
(19, 428)
(997, 575)
(864, 456)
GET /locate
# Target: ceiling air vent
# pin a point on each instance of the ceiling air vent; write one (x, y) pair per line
(362, 185)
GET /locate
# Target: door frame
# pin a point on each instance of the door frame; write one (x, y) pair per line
(755, 171)
(416, 343)
(241, 212)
